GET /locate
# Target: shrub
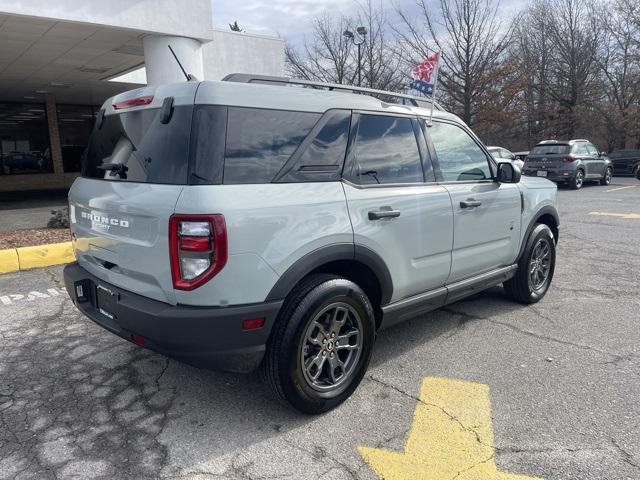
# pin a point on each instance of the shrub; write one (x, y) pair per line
(59, 218)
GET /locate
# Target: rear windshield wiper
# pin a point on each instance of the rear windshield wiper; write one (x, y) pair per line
(119, 169)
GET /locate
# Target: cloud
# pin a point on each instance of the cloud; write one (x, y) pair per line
(292, 19)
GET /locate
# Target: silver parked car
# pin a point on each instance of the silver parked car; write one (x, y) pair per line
(502, 154)
(240, 225)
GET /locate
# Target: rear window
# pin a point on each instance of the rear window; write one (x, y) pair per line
(136, 147)
(550, 149)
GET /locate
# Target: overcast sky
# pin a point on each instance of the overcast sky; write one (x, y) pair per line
(292, 18)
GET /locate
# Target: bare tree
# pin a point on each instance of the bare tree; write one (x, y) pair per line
(575, 36)
(326, 56)
(619, 62)
(532, 51)
(471, 39)
(329, 56)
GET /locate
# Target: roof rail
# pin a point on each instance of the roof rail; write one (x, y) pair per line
(579, 140)
(270, 80)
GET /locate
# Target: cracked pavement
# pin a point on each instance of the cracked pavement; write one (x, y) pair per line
(564, 378)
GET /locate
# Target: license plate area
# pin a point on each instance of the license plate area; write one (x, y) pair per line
(542, 173)
(106, 301)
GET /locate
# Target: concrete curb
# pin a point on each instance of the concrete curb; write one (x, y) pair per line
(25, 258)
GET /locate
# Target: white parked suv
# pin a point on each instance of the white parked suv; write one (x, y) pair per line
(239, 224)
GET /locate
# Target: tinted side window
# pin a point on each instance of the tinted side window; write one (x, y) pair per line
(321, 155)
(386, 151)
(207, 145)
(459, 156)
(259, 142)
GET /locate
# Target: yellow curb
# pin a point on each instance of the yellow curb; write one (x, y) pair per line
(9, 260)
(45, 255)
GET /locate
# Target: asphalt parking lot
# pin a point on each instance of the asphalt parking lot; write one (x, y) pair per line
(563, 378)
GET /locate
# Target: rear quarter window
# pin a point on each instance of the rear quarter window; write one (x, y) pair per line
(259, 142)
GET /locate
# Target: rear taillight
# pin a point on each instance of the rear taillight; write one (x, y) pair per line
(133, 102)
(198, 249)
(569, 158)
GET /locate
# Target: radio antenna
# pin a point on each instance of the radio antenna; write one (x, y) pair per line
(187, 76)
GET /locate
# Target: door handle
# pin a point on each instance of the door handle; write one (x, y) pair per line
(384, 212)
(470, 203)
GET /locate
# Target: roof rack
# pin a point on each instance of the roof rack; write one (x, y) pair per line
(271, 80)
(579, 140)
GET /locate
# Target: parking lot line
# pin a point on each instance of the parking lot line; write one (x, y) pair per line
(620, 188)
(619, 215)
(451, 436)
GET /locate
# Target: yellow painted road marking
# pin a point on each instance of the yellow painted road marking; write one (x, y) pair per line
(451, 437)
(620, 188)
(620, 215)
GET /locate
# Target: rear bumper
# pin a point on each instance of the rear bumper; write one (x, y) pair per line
(210, 337)
(555, 175)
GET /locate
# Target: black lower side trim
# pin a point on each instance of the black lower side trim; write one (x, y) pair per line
(411, 307)
(209, 337)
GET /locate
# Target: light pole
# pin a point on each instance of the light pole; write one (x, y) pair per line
(358, 39)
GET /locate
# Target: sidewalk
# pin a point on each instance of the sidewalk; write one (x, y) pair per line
(28, 209)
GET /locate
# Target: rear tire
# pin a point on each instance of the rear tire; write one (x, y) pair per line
(606, 180)
(535, 267)
(577, 181)
(305, 365)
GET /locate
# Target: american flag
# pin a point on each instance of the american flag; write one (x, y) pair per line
(424, 70)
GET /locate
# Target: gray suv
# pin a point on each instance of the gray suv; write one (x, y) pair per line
(571, 162)
(238, 225)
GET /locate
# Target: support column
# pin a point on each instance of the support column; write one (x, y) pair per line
(160, 65)
(54, 135)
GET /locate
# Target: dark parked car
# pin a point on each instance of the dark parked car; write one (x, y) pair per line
(573, 162)
(625, 162)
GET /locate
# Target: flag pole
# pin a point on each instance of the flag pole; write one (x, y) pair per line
(435, 87)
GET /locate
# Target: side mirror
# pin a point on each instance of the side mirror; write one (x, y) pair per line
(603, 154)
(513, 157)
(508, 173)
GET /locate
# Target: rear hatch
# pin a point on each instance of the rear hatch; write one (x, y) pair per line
(549, 156)
(133, 172)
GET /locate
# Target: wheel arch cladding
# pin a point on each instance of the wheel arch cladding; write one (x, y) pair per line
(357, 263)
(548, 216)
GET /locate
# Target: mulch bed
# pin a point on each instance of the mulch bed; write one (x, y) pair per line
(33, 236)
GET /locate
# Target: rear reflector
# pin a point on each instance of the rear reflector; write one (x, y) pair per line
(138, 340)
(253, 323)
(195, 244)
(133, 102)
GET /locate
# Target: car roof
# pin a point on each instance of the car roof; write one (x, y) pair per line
(276, 97)
(563, 142)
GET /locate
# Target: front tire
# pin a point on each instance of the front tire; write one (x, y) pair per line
(535, 267)
(606, 180)
(578, 180)
(321, 344)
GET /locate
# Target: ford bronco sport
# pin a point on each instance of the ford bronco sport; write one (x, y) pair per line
(238, 224)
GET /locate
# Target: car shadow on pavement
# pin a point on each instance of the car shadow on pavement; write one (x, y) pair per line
(445, 321)
(78, 401)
